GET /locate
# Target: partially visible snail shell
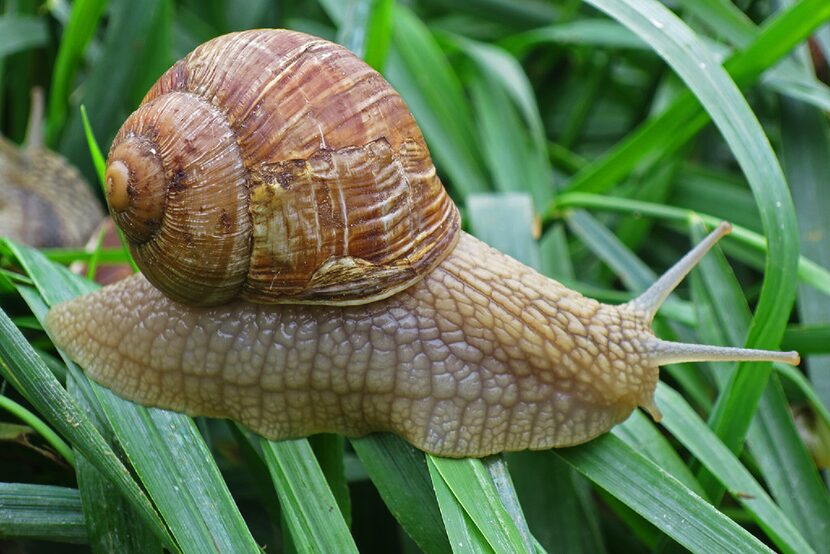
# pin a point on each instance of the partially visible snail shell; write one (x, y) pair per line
(44, 200)
(277, 168)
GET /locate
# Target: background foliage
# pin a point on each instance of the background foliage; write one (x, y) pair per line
(593, 140)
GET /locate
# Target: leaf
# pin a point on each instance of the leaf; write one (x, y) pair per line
(311, 512)
(658, 497)
(400, 473)
(419, 70)
(41, 512)
(184, 481)
(692, 432)
(472, 487)
(20, 32)
(77, 34)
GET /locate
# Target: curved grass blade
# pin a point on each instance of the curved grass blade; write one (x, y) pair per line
(25, 371)
(164, 448)
(665, 133)
(38, 426)
(773, 438)
(20, 32)
(41, 512)
(308, 505)
(678, 45)
(79, 30)
(658, 497)
(474, 490)
(400, 473)
(809, 272)
(684, 424)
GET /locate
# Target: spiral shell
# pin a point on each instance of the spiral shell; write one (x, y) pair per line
(277, 167)
(44, 200)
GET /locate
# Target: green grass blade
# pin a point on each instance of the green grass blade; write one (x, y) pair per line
(311, 512)
(495, 219)
(39, 426)
(516, 147)
(809, 272)
(464, 534)
(366, 29)
(497, 469)
(112, 525)
(805, 143)
(175, 465)
(379, 34)
(658, 497)
(164, 448)
(773, 438)
(100, 170)
(661, 135)
(516, 161)
(788, 468)
(94, 150)
(41, 512)
(420, 71)
(684, 424)
(741, 130)
(112, 86)
(21, 32)
(591, 32)
(329, 450)
(642, 434)
(79, 31)
(401, 476)
(472, 486)
(24, 370)
(557, 502)
(797, 378)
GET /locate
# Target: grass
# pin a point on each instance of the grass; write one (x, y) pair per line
(594, 141)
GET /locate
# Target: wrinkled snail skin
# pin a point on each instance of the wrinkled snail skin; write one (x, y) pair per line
(481, 356)
(359, 305)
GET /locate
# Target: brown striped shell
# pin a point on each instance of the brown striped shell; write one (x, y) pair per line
(280, 168)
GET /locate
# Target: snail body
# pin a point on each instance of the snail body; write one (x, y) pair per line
(396, 320)
(44, 201)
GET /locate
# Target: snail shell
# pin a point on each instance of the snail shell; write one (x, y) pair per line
(44, 200)
(277, 168)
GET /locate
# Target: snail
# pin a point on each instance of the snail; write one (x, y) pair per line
(304, 271)
(44, 201)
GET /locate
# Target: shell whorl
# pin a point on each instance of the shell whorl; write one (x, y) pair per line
(185, 212)
(292, 173)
